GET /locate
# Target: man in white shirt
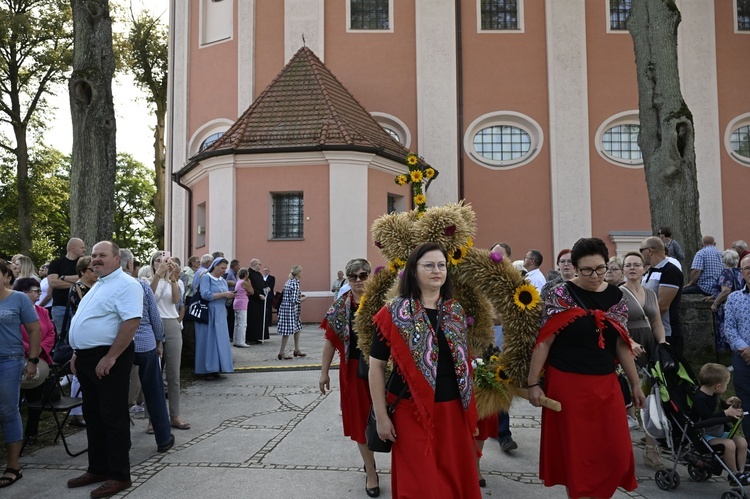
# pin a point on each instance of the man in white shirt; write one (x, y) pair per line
(101, 333)
(531, 263)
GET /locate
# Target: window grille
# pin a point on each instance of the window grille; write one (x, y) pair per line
(288, 216)
(369, 14)
(502, 142)
(619, 10)
(621, 141)
(740, 141)
(743, 15)
(499, 14)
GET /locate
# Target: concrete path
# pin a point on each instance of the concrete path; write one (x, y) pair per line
(267, 432)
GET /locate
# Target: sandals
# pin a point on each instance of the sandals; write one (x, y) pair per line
(181, 425)
(285, 357)
(7, 481)
(297, 353)
(652, 458)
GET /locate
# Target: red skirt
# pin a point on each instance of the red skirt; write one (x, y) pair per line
(445, 467)
(586, 446)
(355, 401)
(487, 428)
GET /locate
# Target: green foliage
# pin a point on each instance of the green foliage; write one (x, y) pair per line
(145, 52)
(134, 226)
(49, 208)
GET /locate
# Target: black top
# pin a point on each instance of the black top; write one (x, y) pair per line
(446, 386)
(354, 351)
(576, 346)
(708, 407)
(62, 267)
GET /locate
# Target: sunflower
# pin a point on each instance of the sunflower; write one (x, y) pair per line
(526, 297)
(399, 262)
(392, 267)
(416, 176)
(361, 302)
(401, 179)
(420, 199)
(501, 376)
(429, 173)
(420, 214)
(470, 243)
(494, 358)
(411, 159)
(457, 256)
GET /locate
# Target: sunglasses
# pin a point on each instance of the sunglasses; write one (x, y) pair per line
(362, 276)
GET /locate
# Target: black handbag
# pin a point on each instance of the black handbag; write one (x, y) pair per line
(197, 309)
(374, 443)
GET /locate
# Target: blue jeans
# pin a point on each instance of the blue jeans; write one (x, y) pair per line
(58, 315)
(742, 387)
(153, 393)
(11, 369)
(503, 425)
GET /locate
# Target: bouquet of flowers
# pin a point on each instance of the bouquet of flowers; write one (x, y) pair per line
(491, 391)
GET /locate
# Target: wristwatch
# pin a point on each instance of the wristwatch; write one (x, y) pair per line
(34, 360)
(62, 277)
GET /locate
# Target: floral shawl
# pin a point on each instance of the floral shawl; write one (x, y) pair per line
(337, 323)
(414, 347)
(561, 309)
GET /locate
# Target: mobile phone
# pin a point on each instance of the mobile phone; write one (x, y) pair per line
(165, 255)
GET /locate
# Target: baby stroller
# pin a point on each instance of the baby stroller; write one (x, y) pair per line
(666, 418)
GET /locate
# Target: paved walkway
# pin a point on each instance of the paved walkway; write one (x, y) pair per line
(267, 432)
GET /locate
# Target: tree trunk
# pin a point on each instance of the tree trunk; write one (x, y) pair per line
(24, 196)
(94, 160)
(160, 162)
(667, 136)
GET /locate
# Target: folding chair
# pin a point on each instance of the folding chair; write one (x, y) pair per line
(63, 406)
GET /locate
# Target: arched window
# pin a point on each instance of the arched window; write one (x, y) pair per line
(503, 139)
(617, 140)
(737, 139)
(394, 126)
(210, 140)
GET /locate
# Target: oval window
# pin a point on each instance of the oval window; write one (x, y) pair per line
(392, 134)
(210, 140)
(621, 142)
(740, 141)
(502, 142)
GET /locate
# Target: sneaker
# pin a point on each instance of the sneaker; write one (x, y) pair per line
(742, 477)
(507, 444)
(632, 422)
(136, 409)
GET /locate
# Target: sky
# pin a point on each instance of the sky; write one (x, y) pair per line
(135, 121)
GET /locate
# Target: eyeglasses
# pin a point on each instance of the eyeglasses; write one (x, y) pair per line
(362, 276)
(632, 265)
(565, 262)
(613, 269)
(431, 266)
(644, 249)
(588, 272)
(35, 290)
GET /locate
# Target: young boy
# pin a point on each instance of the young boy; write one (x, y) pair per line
(714, 379)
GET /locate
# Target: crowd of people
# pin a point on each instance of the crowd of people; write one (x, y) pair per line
(602, 320)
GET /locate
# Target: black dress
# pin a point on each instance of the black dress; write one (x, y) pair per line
(255, 309)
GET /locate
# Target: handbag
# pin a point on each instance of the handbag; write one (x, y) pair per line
(277, 297)
(374, 443)
(197, 310)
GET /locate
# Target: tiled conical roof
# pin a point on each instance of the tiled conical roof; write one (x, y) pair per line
(305, 108)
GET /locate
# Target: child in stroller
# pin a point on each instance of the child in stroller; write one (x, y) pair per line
(714, 379)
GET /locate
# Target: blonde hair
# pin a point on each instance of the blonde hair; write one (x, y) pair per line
(26, 267)
(296, 270)
(712, 374)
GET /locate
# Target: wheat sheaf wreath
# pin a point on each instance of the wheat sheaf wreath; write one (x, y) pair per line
(483, 283)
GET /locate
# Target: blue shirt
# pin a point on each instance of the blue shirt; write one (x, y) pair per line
(708, 261)
(114, 299)
(150, 329)
(197, 278)
(737, 319)
(15, 310)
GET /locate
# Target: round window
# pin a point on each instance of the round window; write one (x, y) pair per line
(503, 140)
(392, 134)
(740, 141)
(502, 143)
(210, 140)
(621, 142)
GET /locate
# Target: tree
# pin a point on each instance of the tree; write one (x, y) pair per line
(134, 226)
(35, 44)
(147, 56)
(48, 209)
(94, 165)
(667, 136)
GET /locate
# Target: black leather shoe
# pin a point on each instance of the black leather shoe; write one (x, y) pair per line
(167, 446)
(373, 492)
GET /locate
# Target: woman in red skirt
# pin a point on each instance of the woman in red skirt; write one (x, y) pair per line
(355, 393)
(582, 338)
(424, 331)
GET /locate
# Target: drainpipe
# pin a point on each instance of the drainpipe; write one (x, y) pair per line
(176, 180)
(460, 99)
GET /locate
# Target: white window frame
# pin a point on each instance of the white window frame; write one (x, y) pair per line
(386, 120)
(624, 118)
(734, 17)
(349, 29)
(608, 23)
(521, 25)
(399, 202)
(271, 235)
(202, 43)
(205, 131)
(499, 118)
(742, 120)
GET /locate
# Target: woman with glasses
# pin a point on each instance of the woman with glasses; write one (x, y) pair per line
(728, 281)
(646, 330)
(289, 313)
(424, 330)
(341, 336)
(567, 272)
(614, 274)
(586, 446)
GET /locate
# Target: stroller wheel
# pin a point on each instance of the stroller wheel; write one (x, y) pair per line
(698, 474)
(731, 495)
(667, 479)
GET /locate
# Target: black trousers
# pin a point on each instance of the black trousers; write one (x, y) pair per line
(105, 408)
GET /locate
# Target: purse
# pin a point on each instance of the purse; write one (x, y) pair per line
(197, 309)
(374, 443)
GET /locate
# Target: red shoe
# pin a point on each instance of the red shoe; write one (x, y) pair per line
(297, 353)
(284, 357)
